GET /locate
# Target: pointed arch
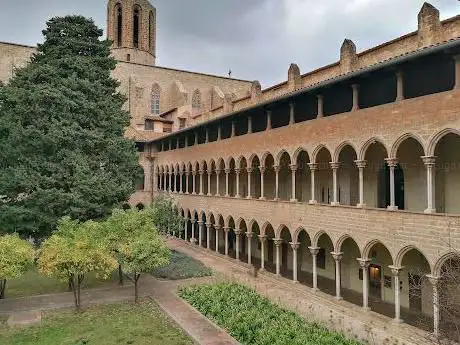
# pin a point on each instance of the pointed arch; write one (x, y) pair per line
(264, 158)
(403, 251)
(442, 260)
(401, 139)
(369, 143)
(155, 99)
(338, 150)
(263, 230)
(119, 25)
(252, 158)
(317, 150)
(280, 155)
(296, 154)
(433, 142)
(367, 248)
(338, 244)
(137, 25)
(229, 220)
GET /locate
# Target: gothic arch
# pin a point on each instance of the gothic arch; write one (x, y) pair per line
(341, 240)
(317, 150)
(433, 142)
(400, 256)
(365, 252)
(401, 139)
(279, 156)
(295, 155)
(442, 260)
(338, 150)
(367, 144)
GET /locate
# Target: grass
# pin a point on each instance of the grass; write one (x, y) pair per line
(253, 320)
(182, 267)
(126, 323)
(33, 283)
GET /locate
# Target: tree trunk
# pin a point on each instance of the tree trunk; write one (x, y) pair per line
(2, 288)
(80, 278)
(69, 284)
(72, 283)
(120, 275)
(136, 287)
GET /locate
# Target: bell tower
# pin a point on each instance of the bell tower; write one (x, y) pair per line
(131, 26)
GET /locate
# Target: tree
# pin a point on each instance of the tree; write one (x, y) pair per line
(74, 251)
(138, 246)
(16, 257)
(61, 133)
(166, 217)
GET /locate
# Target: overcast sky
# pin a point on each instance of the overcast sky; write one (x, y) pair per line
(256, 39)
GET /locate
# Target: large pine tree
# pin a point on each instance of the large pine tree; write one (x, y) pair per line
(62, 150)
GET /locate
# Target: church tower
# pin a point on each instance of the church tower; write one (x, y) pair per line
(131, 25)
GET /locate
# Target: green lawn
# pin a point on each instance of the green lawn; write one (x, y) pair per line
(182, 267)
(127, 323)
(33, 283)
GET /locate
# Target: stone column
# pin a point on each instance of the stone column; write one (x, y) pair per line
(186, 229)
(218, 171)
(262, 240)
(399, 86)
(227, 171)
(201, 172)
(277, 173)
(249, 170)
(249, 124)
(237, 246)
(219, 133)
(161, 181)
(320, 99)
(277, 242)
(364, 263)
(208, 235)
(209, 181)
(338, 259)
(233, 130)
(162, 146)
(194, 182)
(262, 192)
(170, 145)
(434, 280)
(181, 182)
(187, 175)
(355, 97)
(186, 141)
(176, 176)
(237, 173)
(295, 247)
(291, 113)
(269, 120)
(218, 228)
(293, 182)
(200, 233)
(335, 186)
(314, 252)
(192, 238)
(392, 163)
(170, 182)
(249, 246)
(457, 72)
(196, 138)
(361, 165)
(226, 230)
(395, 271)
(313, 167)
(207, 136)
(430, 162)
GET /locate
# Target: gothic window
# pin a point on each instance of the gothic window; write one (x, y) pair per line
(182, 123)
(136, 26)
(149, 125)
(196, 102)
(119, 14)
(156, 94)
(151, 30)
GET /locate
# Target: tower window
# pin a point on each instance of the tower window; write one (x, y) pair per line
(196, 102)
(156, 95)
(151, 29)
(119, 25)
(136, 27)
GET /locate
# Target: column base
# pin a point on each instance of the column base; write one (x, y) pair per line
(187, 193)
(293, 200)
(209, 194)
(430, 210)
(201, 194)
(262, 198)
(313, 202)
(276, 199)
(262, 269)
(392, 208)
(227, 195)
(314, 289)
(339, 298)
(335, 203)
(217, 194)
(361, 206)
(366, 308)
(237, 196)
(181, 192)
(249, 197)
(295, 282)
(397, 321)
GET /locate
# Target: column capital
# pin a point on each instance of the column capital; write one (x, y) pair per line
(457, 58)
(338, 256)
(194, 172)
(395, 270)
(364, 263)
(181, 173)
(291, 104)
(238, 171)
(262, 169)
(334, 165)
(313, 166)
(209, 171)
(249, 170)
(314, 250)
(320, 97)
(200, 222)
(218, 171)
(262, 238)
(277, 241)
(434, 280)
(193, 221)
(361, 164)
(208, 225)
(294, 245)
(237, 232)
(249, 234)
(355, 86)
(276, 168)
(187, 173)
(218, 227)
(201, 172)
(293, 167)
(226, 229)
(392, 162)
(429, 161)
(227, 171)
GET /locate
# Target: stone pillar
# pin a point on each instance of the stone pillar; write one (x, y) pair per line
(181, 182)
(262, 240)
(170, 145)
(170, 181)
(200, 233)
(277, 174)
(194, 182)
(226, 230)
(186, 141)
(355, 97)
(320, 99)
(201, 172)
(237, 244)
(313, 167)
(162, 146)
(186, 229)
(176, 174)
(361, 165)
(219, 133)
(249, 246)
(232, 134)
(161, 181)
(314, 252)
(262, 192)
(187, 175)
(277, 242)
(434, 280)
(399, 86)
(207, 136)
(218, 228)
(430, 162)
(218, 171)
(295, 247)
(392, 163)
(457, 72)
(192, 238)
(291, 113)
(196, 138)
(293, 182)
(364, 263)
(249, 124)
(269, 120)
(208, 235)
(227, 171)
(395, 271)
(335, 186)
(249, 196)
(237, 173)
(209, 181)
(337, 258)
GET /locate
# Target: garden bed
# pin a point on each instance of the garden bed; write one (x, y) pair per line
(182, 267)
(253, 320)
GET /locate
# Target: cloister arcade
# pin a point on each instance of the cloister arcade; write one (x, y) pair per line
(401, 284)
(409, 174)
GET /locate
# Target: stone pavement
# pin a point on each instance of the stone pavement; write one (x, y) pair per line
(342, 316)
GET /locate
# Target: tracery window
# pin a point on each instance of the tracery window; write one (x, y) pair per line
(151, 29)
(136, 26)
(119, 14)
(196, 102)
(156, 96)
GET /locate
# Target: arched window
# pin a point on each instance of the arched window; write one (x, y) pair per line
(196, 102)
(156, 95)
(119, 21)
(136, 26)
(151, 29)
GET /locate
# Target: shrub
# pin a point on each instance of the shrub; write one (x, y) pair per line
(182, 267)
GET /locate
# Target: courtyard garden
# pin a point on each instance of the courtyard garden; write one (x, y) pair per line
(182, 266)
(254, 320)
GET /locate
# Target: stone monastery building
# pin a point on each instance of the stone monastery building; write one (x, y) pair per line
(345, 179)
